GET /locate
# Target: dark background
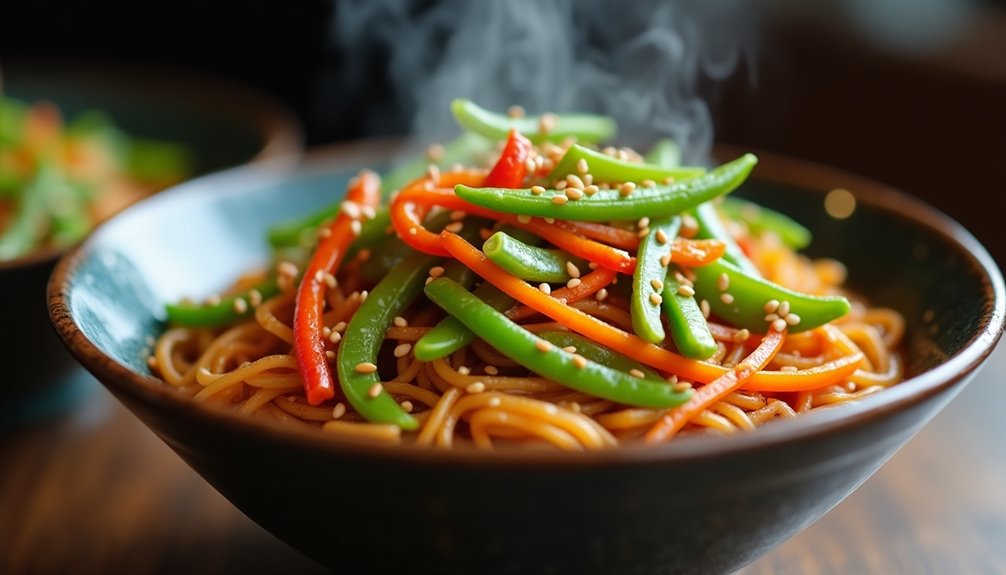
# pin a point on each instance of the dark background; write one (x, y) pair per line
(931, 120)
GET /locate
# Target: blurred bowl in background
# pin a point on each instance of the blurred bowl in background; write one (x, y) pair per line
(222, 124)
(695, 505)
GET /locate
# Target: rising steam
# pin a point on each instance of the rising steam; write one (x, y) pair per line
(646, 63)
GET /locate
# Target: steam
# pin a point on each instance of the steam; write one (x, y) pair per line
(647, 63)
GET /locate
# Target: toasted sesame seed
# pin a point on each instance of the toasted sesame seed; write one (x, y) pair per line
(476, 387)
(255, 297)
(588, 179)
(689, 226)
(573, 282)
(601, 294)
(400, 321)
(783, 308)
(435, 152)
(723, 282)
(582, 167)
(537, 190)
(530, 165)
(329, 354)
(433, 172)
(407, 406)
(561, 185)
(240, 305)
(726, 298)
(368, 212)
(428, 280)
(457, 215)
(771, 306)
(330, 281)
(634, 372)
(681, 386)
(665, 260)
(592, 265)
(741, 335)
(365, 367)
(672, 379)
(335, 337)
(435, 271)
(286, 269)
(626, 189)
(454, 227)
(324, 232)
(648, 183)
(464, 370)
(363, 295)
(326, 331)
(356, 227)
(655, 299)
(515, 112)
(543, 345)
(559, 199)
(339, 327)
(609, 151)
(779, 324)
(574, 181)
(374, 390)
(524, 219)
(574, 193)
(491, 370)
(579, 361)
(668, 180)
(771, 317)
(661, 236)
(413, 230)
(546, 123)
(686, 291)
(572, 270)
(657, 284)
(704, 308)
(339, 410)
(643, 232)
(544, 288)
(569, 349)
(793, 319)
(590, 189)
(351, 209)
(319, 276)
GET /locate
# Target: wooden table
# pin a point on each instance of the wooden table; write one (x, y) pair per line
(97, 492)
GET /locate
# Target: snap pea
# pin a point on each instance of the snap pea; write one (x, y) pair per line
(665, 153)
(594, 352)
(748, 295)
(689, 328)
(529, 262)
(760, 219)
(385, 255)
(609, 205)
(302, 231)
(585, 128)
(363, 337)
(451, 334)
(223, 312)
(605, 168)
(544, 358)
(648, 278)
(712, 227)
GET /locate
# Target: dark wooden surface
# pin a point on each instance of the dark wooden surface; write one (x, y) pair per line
(95, 492)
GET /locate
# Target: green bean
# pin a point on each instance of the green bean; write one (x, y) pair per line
(31, 219)
(689, 328)
(711, 227)
(451, 334)
(363, 337)
(665, 153)
(594, 352)
(584, 127)
(608, 205)
(648, 278)
(605, 168)
(545, 359)
(224, 312)
(754, 303)
(529, 262)
(760, 219)
(385, 255)
(303, 231)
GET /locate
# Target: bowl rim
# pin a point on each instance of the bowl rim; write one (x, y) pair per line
(277, 130)
(773, 167)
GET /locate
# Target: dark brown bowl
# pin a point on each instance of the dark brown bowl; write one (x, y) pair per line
(223, 124)
(696, 505)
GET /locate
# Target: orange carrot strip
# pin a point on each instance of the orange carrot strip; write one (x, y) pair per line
(675, 419)
(696, 252)
(588, 286)
(617, 237)
(413, 202)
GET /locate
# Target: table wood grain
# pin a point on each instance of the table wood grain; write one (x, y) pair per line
(96, 492)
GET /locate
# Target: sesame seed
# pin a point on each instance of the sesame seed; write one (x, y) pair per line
(457, 215)
(339, 410)
(559, 199)
(545, 288)
(579, 361)
(655, 299)
(726, 298)
(363, 295)
(742, 335)
(783, 309)
(324, 232)
(368, 212)
(549, 220)
(365, 367)
(537, 190)
(661, 236)
(569, 349)
(255, 297)
(435, 271)
(491, 370)
(433, 172)
(543, 345)
(779, 324)
(428, 280)
(723, 282)
(351, 209)
(657, 284)
(546, 123)
(665, 260)
(643, 232)
(428, 186)
(413, 230)
(686, 291)
(626, 189)
(495, 402)
(330, 354)
(582, 167)
(326, 331)
(669, 180)
(574, 181)
(592, 265)
(689, 226)
(374, 390)
(590, 189)
(574, 193)
(681, 386)
(339, 327)
(335, 337)
(319, 276)
(601, 294)
(454, 227)
(524, 219)
(771, 317)
(515, 112)
(464, 370)
(634, 372)
(704, 307)
(402, 350)
(240, 305)
(609, 151)
(356, 227)
(648, 183)
(485, 233)
(477, 387)
(574, 282)
(407, 406)
(588, 179)
(793, 319)
(561, 185)
(400, 321)
(530, 165)
(330, 281)
(572, 270)
(672, 379)
(771, 306)
(574, 407)
(286, 269)
(152, 361)
(435, 152)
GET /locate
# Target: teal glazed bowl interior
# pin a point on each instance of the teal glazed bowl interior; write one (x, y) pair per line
(223, 125)
(695, 505)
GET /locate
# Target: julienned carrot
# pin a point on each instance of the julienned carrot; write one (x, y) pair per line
(617, 237)
(675, 419)
(308, 343)
(693, 253)
(631, 345)
(586, 287)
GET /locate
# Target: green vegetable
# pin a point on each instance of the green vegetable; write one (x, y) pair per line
(689, 329)
(648, 278)
(605, 168)
(594, 352)
(529, 262)
(608, 205)
(711, 227)
(222, 313)
(451, 334)
(158, 161)
(584, 127)
(573, 371)
(760, 220)
(12, 118)
(363, 337)
(665, 153)
(30, 222)
(749, 295)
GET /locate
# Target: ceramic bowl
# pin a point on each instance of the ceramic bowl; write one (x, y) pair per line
(696, 505)
(224, 125)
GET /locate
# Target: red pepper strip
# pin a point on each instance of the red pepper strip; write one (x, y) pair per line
(588, 286)
(693, 253)
(675, 419)
(511, 168)
(617, 237)
(308, 343)
(633, 346)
